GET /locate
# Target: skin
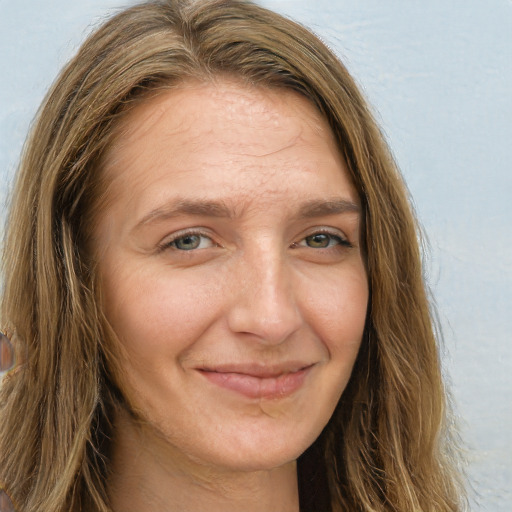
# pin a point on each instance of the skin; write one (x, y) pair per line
(229, 256)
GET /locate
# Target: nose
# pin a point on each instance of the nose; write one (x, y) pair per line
(264, 301)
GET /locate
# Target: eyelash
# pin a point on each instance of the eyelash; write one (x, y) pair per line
(341, 241)
(168, 244)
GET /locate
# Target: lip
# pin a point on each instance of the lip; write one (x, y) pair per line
(255, 381)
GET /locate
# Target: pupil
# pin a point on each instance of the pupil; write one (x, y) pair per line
(318, 240)
(188, 242)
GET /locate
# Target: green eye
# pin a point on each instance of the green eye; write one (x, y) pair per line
(192, 241)
(187, 242)
(322, 240)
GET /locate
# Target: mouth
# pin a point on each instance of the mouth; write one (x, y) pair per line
(254, 381)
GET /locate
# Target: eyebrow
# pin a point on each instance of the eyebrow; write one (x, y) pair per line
(322, 208)
(187, 207)
(218, 209)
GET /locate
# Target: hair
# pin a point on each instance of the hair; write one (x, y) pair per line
(387, 446)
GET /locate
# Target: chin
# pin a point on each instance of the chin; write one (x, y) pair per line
(263, 453)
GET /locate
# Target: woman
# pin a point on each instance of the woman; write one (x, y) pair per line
(213, 283)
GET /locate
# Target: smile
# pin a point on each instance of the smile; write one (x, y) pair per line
(254, 382)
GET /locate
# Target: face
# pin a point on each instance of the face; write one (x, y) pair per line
(231, 271)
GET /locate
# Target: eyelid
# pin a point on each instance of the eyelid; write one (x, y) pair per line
(334, 232)
(166, 243)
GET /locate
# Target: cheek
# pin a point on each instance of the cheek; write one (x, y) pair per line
(337, 309)
(158, 312)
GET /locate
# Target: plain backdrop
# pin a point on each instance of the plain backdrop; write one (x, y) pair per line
(438, 75)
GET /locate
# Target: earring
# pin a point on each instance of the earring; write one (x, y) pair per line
(6, 354)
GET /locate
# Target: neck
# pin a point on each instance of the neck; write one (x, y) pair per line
(148, 474)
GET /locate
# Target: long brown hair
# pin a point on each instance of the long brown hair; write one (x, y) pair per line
(387, 446)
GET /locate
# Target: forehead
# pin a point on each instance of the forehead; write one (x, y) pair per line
(194, 113)
(227, 141)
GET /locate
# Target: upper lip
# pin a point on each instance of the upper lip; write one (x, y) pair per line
(260, 371)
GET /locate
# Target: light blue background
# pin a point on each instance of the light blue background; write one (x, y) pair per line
(439, 77)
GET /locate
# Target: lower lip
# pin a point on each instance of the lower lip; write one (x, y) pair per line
(256, 387)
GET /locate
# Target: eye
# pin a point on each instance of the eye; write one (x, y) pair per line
(323, 241)
(189, 242)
